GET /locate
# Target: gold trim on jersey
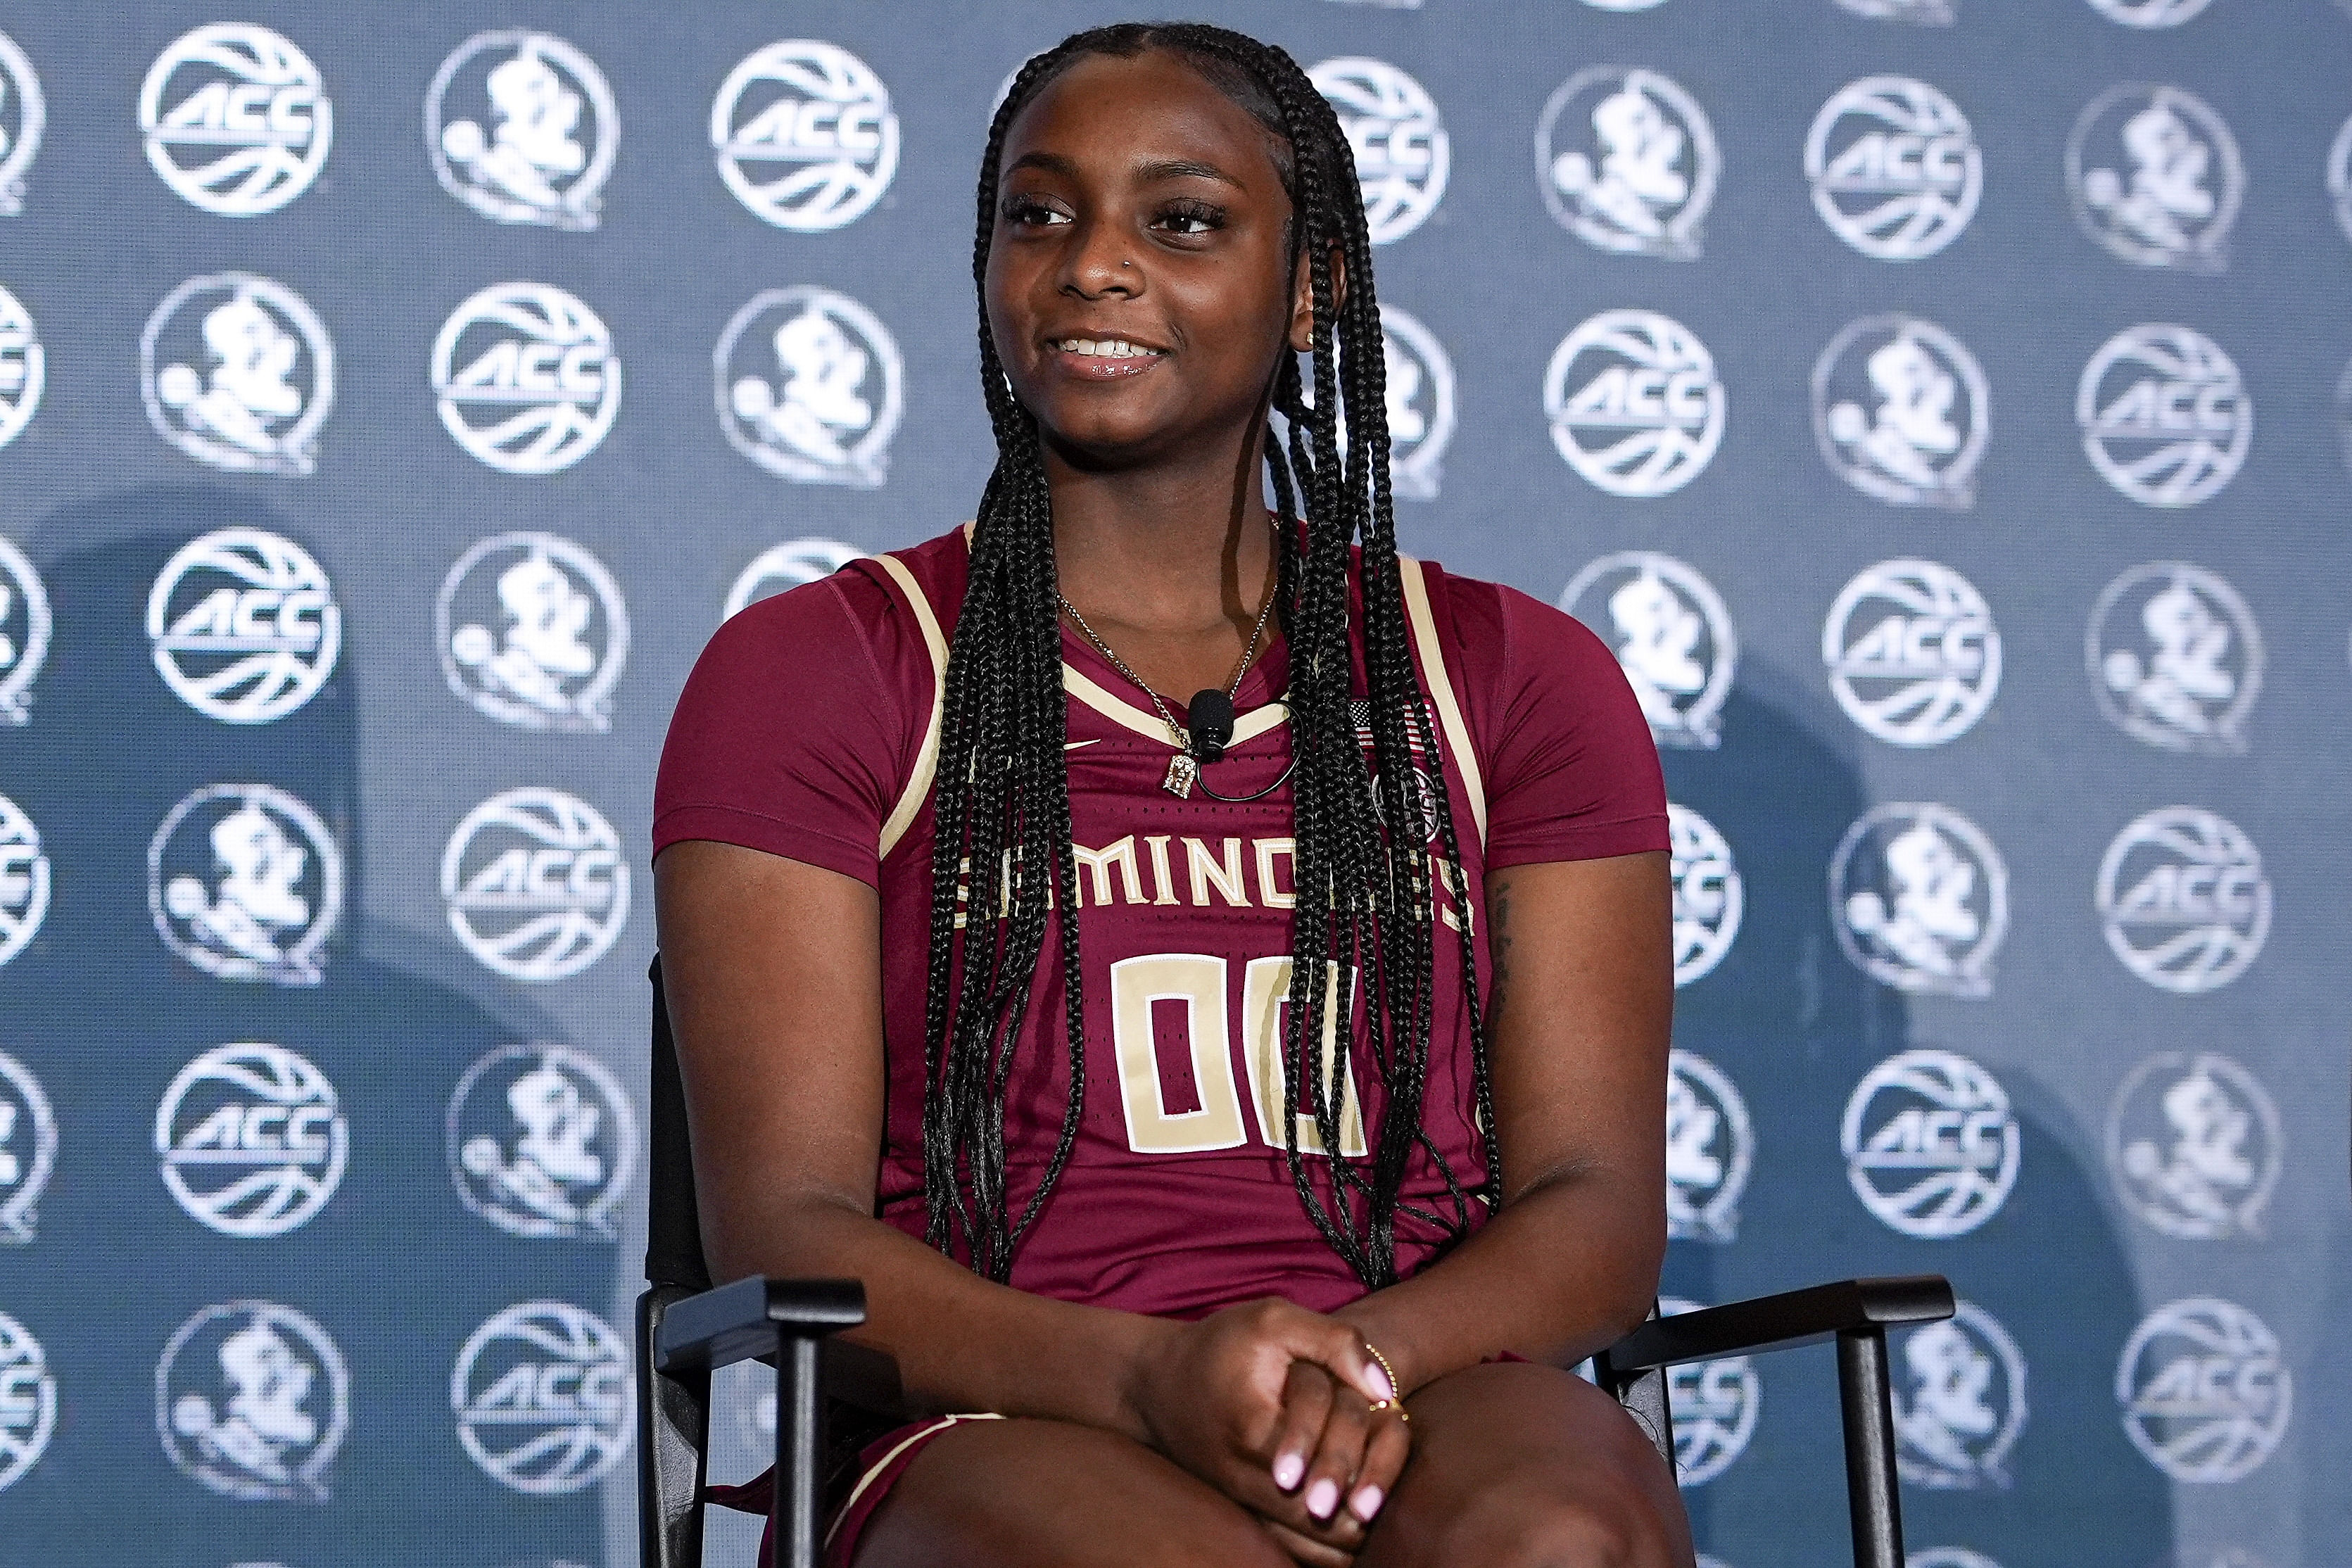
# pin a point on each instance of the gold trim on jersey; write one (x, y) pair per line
(927, 761)
(1441, 687)
(1152, 726)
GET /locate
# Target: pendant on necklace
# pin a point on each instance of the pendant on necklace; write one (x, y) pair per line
(1182, 774)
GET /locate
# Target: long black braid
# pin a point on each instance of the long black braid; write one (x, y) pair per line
(1367, 901)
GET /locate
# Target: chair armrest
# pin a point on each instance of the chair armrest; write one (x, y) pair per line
(1774, 1322)
(750, 1318)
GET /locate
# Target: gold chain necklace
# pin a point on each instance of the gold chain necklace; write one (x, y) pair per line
(1184, 767)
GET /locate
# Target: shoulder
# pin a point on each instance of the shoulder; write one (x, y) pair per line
(1496, 637)
(890, 609)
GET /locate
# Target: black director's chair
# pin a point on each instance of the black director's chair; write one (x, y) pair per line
(687, 1329)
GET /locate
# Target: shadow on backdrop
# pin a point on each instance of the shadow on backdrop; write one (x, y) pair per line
(1796, 1025)
(393, 1266)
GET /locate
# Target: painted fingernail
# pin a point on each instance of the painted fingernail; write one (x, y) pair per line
(1322, 1497)
(1382, 1387)
(1287, 1468)
(1366, 1502)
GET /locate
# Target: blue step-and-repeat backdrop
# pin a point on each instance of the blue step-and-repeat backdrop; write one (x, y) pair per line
(1942, 405)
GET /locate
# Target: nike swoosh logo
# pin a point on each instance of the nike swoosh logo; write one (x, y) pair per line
(1074, 745)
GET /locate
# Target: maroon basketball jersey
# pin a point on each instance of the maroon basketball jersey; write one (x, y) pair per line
(1178, 1196)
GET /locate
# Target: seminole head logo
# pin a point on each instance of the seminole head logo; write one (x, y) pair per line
(1627, 162)
(1710, 1147)
(1673, 637)
(28, 1150)
(245, 882)
(2192, 1146)
(522, 129)
(24, 880)
(2156, 177)
(1920, 898)
(238, 372)
(1959, 1402)
(811, 386)
(252, 1399)
(2175, 658)
(1902, 411)
(542, 1142)
(25, 627)
(533, 632)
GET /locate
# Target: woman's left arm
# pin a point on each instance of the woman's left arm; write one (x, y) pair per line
(1578, 1020)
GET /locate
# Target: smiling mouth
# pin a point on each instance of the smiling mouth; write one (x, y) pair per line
(1102, 358)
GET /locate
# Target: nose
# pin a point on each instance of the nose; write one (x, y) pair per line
(1100, 260)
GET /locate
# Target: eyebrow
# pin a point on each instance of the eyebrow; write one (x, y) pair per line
(1157, 170)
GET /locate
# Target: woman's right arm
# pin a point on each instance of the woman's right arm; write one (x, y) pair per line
(772, 968)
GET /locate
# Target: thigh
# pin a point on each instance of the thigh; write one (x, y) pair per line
(1521, 1465)
(1053, 1494)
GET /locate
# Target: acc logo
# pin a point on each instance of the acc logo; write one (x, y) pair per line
(1627, 162)
(1929, 1143)
(2149, 13)
(805, 135)
(2204, 1390)
(788, 565)
(1902, 411)
(253, 1400)
(1673, 637)
(29, 1401)
(244, 883)
(24, 880)
(237, 119)
(1402, 152)
(1959, 1404)
(2176, 657)
(2193, 1146)
(2165, 418)
(238, 372)
(29, 1149)
(1920, 898)
(244, 626)
(22, 115)
(1715, 1406)
(1708, 897)
(535, 884)
(24, 633)
(1420, 402)
(811, 386)
(522, 157)
(2183, 900)
(252, 1139)
(532, 632)
(1710, 1145)
(2339, 177)
(2156, 177)
(1896, 171)
(1633, 402)
(542, 1142)
(23, 364)
(1913, 657)
(543, 1396)
(535, 349)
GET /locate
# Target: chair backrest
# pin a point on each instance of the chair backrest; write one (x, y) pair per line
(673, 1224)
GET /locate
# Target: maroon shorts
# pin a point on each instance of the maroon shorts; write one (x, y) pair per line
(879, 1465)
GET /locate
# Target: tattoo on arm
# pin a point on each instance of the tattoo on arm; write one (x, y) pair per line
(1499, 951)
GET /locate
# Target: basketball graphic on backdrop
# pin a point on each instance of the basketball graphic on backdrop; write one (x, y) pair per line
(525, 378)
(1710, 1149)
(534, 884)
(28, 1150)
(1403, 156)
(1912, 652)
(1894, 167)
(24, 116)
(25, 628)
(29, 1401)
(24, 875)
(1930, 1143)
(244, 626)
(237, 119)
(2165, 418)
(1633, 403)
(24, 368)
(2183, 900)
(2204, 1390)
(805, 135)
(1715, 1403)
(541, 1396)
(252, 1140)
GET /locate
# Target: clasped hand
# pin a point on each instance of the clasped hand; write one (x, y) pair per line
(1272, 1405)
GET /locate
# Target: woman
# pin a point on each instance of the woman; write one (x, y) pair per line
(902, 809)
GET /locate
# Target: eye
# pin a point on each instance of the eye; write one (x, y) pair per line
(1029, 212)
(1190, 219)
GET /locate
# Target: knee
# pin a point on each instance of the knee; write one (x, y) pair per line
(1536, 1531)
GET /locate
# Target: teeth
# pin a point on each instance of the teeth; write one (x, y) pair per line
(1105, 348)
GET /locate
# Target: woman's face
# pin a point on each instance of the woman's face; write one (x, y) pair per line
(1138, 284)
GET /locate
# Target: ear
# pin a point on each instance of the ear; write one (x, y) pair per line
(1302, 298)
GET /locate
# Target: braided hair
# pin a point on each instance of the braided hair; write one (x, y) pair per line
(1366, 900)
